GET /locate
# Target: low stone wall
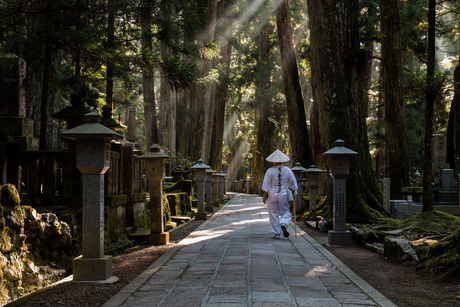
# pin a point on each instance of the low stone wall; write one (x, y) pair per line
(27, 240)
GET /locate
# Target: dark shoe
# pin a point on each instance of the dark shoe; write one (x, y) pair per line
(285, 232)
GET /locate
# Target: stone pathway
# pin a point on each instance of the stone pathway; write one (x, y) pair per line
(232, 260)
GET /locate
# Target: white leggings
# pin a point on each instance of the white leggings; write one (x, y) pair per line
(278, 212)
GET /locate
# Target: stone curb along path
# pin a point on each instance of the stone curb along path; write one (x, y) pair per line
(232, 260)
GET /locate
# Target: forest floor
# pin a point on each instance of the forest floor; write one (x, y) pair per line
(402, 285)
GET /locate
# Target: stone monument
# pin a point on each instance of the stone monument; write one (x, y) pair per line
(93, 160)
(386, 194)
(340, 168)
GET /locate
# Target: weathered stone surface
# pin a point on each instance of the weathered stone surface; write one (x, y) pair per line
(15, 218)
(6, 236)
(27, 236)
(400, 250)
(9, 197)
(19, 241)
(13, 271)
(3, 261)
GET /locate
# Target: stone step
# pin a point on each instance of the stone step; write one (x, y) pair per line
(180, 219)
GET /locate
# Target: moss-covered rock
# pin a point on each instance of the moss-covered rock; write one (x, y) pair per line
(443, 258)
(6, 238)
(9, 198)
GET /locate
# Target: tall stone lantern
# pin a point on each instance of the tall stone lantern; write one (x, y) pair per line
(208, 192)
(298, 173)
(313, 182)
(155, 173)
(92, 160)
(297, 170)
(340, 168)
(215, 190)
(222, 178)
(200, 175)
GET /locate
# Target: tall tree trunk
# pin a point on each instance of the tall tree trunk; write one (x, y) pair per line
(217, 142)
(455, 109)
(337, 86)
(44, 98)
(148, 85)
(298, 136)
(429, 111)
(110, 47)
(211, 90)
(265, 130)
(395, 127)
(167, 125)
(453, 128)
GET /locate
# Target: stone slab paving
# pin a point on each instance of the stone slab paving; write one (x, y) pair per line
(232, 260)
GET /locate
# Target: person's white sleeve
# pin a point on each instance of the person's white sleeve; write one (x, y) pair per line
(266, 183)
(292, 181)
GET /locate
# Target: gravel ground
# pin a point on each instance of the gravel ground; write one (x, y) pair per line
(402, 285)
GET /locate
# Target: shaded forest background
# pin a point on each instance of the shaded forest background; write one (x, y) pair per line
(231, 81)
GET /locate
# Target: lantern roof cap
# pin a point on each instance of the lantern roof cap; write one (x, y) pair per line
(313, 169)
(339, 150)
(200, 165)
(154, 153)
(298, 167)
(222, 174)
(92, 129)
(210, 170)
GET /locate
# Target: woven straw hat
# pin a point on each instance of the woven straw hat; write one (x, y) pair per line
(277, 156)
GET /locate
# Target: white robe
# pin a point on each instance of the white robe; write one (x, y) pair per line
(274, 183)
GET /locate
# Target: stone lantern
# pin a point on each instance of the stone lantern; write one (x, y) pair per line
(340, 168)
(313, 182)
(297, 170)
(155, 173)
(215, 190)
(200, 175)
(92, 160)
(298, 173)
(209, 173)
(248, 185)
(222, 178)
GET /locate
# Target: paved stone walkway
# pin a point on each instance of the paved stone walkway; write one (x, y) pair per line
(232, 260)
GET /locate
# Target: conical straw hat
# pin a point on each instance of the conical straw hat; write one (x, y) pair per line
(277, 156)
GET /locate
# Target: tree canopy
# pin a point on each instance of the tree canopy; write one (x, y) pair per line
(230, 81)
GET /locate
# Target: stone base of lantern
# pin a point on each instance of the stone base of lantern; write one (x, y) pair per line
(201, 216)
(159, 238)
(339, 237)
(92, 269)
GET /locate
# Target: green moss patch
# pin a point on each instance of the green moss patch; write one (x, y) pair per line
(443, 258)
(434, 221)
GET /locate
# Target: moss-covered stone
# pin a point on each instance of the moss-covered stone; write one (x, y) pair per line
(6, 237)
(443, 258)
(432, 221)
(9, 198)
